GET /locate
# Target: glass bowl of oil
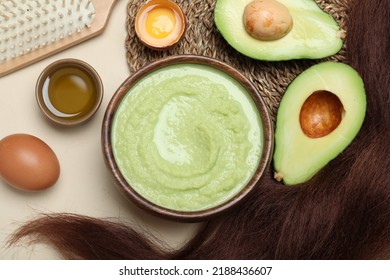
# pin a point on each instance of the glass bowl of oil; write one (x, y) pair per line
(69, 91)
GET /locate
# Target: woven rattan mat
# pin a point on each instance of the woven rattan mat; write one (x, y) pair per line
(203, 38)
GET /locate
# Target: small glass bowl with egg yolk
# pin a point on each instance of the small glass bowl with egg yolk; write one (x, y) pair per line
(160, 24)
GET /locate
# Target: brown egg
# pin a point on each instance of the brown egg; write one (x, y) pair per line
(28, 163)
(267, 20)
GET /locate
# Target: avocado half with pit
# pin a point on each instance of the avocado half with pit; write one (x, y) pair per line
(319, 115)
(313, 33)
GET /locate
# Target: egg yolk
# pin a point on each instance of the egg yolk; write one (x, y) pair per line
(160, 22)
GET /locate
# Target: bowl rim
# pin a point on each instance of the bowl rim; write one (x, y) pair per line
(66, 63)
(166, 3)
(176, 215)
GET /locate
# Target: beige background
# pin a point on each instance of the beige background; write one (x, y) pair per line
(85, 186)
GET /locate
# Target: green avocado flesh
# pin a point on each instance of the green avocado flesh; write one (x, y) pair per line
(298, 157)
(315, 34)
(187, 137)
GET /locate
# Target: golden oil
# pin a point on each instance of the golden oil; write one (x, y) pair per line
(69, 93)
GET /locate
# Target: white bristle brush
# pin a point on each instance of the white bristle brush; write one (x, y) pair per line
(31, 30)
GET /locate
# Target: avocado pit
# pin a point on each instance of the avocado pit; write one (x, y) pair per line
(321, 114)
(267, 20)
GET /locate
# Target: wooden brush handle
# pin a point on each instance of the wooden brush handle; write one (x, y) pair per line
(103, 10)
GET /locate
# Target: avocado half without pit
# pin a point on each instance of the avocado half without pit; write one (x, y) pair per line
(278, 30)
(319, 115)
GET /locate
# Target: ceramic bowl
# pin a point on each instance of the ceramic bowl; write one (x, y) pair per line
(178, 215)
(79, 78)
(166, 30)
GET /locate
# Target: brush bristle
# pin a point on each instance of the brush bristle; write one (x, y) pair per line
(26, 26)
